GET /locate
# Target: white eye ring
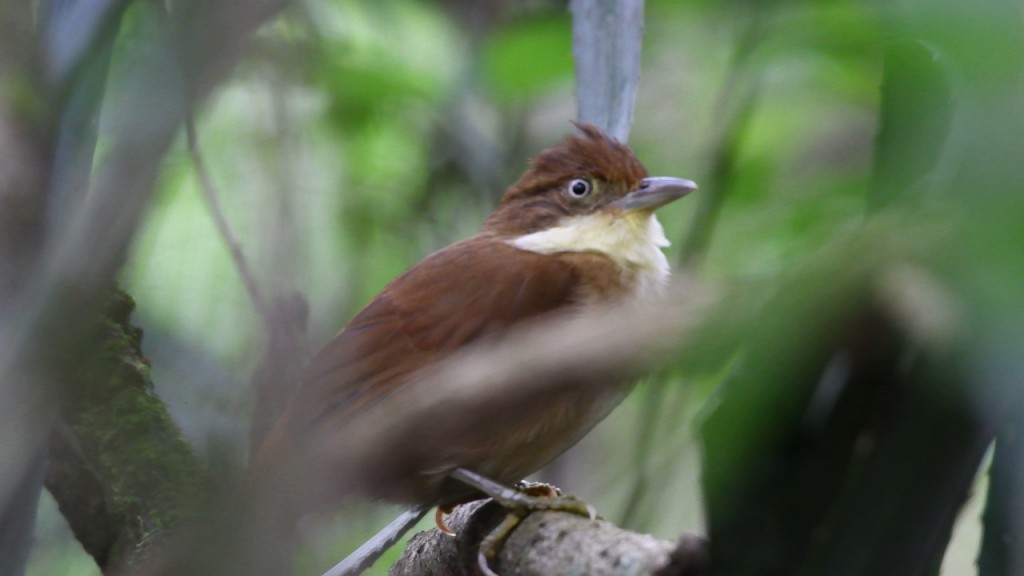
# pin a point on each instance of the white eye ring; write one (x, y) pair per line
(579, 187)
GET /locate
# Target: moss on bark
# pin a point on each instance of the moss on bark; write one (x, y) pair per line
(120, 470)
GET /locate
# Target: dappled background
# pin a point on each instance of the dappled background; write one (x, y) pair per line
(355, 137)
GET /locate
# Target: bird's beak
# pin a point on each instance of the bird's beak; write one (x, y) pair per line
(654, 193)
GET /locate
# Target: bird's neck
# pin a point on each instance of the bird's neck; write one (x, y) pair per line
(632, 242)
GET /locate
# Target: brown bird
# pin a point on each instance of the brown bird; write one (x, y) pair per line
(576, 230)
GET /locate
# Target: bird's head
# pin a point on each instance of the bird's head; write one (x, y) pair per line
(589, 193)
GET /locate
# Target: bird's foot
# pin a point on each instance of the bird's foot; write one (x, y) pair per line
(535, 489)
(534, 497)
(538, 489)
(519, 508)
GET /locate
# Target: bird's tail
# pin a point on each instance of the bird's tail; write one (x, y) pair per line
(364, 557)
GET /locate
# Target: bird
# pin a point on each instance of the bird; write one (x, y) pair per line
(576, 230)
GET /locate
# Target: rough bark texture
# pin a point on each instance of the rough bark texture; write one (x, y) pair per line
(545, 543)
(119, 468)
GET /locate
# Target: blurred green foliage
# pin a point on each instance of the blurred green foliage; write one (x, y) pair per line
(526, 58)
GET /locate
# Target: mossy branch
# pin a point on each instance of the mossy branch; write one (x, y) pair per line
(120, 470)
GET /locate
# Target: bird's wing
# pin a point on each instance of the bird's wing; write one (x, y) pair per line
(468, 291)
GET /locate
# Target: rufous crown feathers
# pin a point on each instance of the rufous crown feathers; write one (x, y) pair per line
(591, 154)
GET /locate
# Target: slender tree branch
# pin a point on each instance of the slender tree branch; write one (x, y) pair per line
(209, 191)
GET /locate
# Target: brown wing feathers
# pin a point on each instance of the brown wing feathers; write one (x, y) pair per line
(463, 293)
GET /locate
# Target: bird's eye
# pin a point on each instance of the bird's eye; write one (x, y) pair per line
(579, 188)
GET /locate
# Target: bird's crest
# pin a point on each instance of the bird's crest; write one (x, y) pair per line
(591, 153)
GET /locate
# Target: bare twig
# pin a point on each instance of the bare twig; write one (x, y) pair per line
(223, 228)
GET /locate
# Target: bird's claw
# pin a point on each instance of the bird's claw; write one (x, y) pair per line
(492, 543)
(530, 497)
(439, 515)
(519, 508)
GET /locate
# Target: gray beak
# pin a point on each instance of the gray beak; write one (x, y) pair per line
(654, 193)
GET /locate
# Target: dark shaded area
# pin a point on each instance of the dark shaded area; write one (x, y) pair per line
(1004, 508)
(858, 436)
(690, 558)
(864, 454)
